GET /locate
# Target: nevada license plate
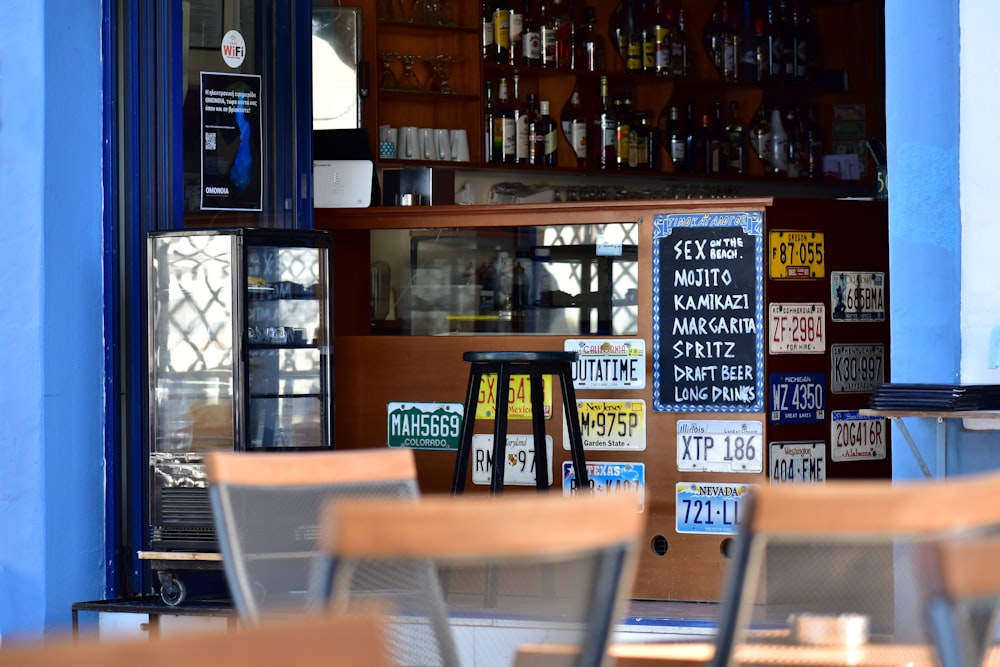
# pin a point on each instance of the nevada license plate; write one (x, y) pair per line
(796, 328)
(719, 446)
(797, 462)
(709, 507)
(857, 296)
(856, 369)
(611, 424)
(795, 255)
(798, 398)
(855, 437)
(519, 462)
(609, 477)
(518, 397)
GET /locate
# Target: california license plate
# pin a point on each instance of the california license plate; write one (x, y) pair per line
(609, 477)
(719, 446)
(518, 397)
(797, 462)
(611, 424)
(855, 437)
(709, 507)
(796, 255)
(796, 328)
(857, 296)
(519, 461)
(798, 398)
(856, 368)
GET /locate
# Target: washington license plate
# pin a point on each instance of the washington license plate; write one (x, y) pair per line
(797, 462)
(796, 255)
(609, 477)
(796, 328)
(857, 296)
(856, 368)
(719, 446)
(611, 424)
(710, 507)
(855, 437)
(519, 461)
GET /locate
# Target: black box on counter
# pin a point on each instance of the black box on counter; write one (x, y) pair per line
(418, 186)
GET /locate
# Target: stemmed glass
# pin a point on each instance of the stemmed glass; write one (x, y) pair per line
(387, 79)
(441, 64)
(410, 80)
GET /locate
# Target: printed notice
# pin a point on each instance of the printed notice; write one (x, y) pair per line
(231, 155)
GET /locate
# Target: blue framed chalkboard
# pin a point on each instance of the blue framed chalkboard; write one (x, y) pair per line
(708, 312)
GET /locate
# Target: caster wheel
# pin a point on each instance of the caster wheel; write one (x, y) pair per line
(172, 591)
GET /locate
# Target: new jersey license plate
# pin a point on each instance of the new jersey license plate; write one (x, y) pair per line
(857, 296)
(719, 446)
(796, 255)
(709, 507)
(611, 424)
(797, 462)
(609, 477)
(519, 461)
(796, 328)
(855, 437)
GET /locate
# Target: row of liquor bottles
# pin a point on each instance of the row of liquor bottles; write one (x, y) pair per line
(749, 41)
(611, 135)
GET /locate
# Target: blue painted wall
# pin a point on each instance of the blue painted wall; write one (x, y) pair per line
(52, 350)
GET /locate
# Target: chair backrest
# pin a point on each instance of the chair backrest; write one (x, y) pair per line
(847, 556)
(470, 578)
(306, 641)
(267, 505)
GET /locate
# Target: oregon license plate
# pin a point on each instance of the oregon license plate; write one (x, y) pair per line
(797, 462)
(520, 459)
(857, 296)
(611, 424)
(855, 437)
(856, 368)
(719, 446)
(609, 477)
(796, 328)
(709, 507)
(518, 397)
(798, 398)
(796, 255)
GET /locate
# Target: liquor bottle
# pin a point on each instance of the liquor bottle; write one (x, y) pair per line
(794, 154)
(787, 30)
(515, 34)
(647, 37)
(616, 30)
(505, 127)
(623, 113)
(772, 35)
(695, 144)
(534, 133)
(488, 44)
(760, 139)
(633, 44)
(779, 144)
(713, 36)
(761, 52)
(531, 36)
(661, 38)
(591, 45)
(642, 145)
(550, 136)
(730, 42)
(675, 141)
(813, 145)
(548, 26)
(717, 150)
(737, 137)
(564, 35)
(574, 127)
(746, 68)
(521, 118)
(501, 33)
(493, 150)
(679, 58)
(602, 140)
(808, 47)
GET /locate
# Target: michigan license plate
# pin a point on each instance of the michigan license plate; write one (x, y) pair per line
(797, 462)
(796, 328)
(609, 477)
(796, 255)
(719, 446)
(519, 461)
(798, 398)
(710, 507)
(611, 424)
(855, 437)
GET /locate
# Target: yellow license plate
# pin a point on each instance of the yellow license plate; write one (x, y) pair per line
(611, 424)
(796, 255)
(518, 397)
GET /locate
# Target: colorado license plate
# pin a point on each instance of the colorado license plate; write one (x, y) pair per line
(796, 255)
(611, 424)
(719, 446)
(857, 296)
(520, 459)
(796, 328)
(797, 462)
(424, 425)
(856, 369)
(798, 398)
(855, 437)
(609, 477)
(709, 507)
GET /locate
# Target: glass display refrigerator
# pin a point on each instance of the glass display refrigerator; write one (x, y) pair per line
(240, 358)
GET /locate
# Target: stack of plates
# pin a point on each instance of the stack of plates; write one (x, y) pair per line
(899, 396)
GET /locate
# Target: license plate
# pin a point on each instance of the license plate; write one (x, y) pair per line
(855, 437)
(518, 397)
(798, 398)
(611, 424)
(796, 255)
(796, 328)
(710, 507)
(520, 460)
(856, 369)
(719, 446)
(797, 462)
(424, 425)
(857, 296)
(608, 364)
(609, 477)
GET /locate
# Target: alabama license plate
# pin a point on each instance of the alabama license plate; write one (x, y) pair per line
(856, 368)
(611, 424)
(857, 296)
(796, 255)
(855, 437)
(520, 459)
(719, 446)
(797, 462)
(796, 328)
(609, 477)
(518, 397)
(798, 398)
(710, 507)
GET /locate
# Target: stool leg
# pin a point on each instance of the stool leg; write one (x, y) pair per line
(538, 429)
(468, 425)
(573, 425)
(500, 429)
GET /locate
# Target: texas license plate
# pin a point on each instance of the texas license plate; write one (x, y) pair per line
(609, 477)
(710, 507)
(519, 462)
(611, 424)
(856, 437)
(857, 296)
(856, 368)
(797, 462)
(719, 446)
(796, 255)
(798, 398)
(518, 397)
(796, 328)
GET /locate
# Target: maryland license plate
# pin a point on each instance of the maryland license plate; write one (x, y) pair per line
(611, 424)
(857, 296)
(796, 328)
(609, 477)
(796, 255)
(719, 446)
(709, 507)
(855, 437)
(797, 462)
(519, 461)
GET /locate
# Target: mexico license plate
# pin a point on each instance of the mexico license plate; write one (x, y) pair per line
(797, 462)
(518, 397)
(609, 477)
(856, 368)
(798, 398)
(855, 437)
(519, 462)
(795, 255)
(709, 507)
(796, 328)
(719, 446)
(857, 296)
(611, 424)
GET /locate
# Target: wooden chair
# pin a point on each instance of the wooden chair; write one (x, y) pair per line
(807, 555)
(468, 579)
(306, 641)
(266, 507)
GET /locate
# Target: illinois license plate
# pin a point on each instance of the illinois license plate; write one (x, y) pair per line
(857, 296)
(609, 477)
(797, 462)
(519, 461)
(518, 397)
(798, 398)
(796, 255)
(855, 437)
(611, 424)
(856, 368)
(796, 328)
(719, 446)
(710, 507)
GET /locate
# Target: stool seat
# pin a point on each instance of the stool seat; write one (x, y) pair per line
(535, 364)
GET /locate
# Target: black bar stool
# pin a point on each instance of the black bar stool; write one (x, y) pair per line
(534, 365)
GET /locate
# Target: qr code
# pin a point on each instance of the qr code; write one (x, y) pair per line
(210, 141)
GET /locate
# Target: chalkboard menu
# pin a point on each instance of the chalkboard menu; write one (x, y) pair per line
(708, 322)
